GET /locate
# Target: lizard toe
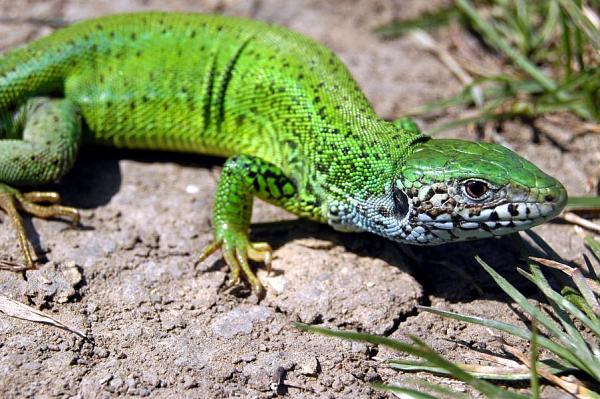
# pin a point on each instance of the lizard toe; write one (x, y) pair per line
(12, 201)
(236, 252)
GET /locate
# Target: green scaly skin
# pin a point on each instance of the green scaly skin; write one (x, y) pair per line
(296, 128)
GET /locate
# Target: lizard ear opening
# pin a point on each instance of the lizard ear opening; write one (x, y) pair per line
(400, 203)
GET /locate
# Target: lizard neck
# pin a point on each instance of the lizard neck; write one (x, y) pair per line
(351, 156)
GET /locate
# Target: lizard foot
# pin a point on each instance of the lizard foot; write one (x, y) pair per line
(236, 252)
(12, 201)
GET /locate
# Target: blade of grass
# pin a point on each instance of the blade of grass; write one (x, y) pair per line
(520, 299)
(571, 385)
(534, 380)
(438, 388)
(587, 291)
(492, 36)
(578, 36)
(560, 351)
(463, 98)
(524, 25)
(573, 296)
(506, 91)
(583, 203)
(426, 21)
(540, 281)
(480, 118)
(549, 26)
(482, 386)
(582, 21)
(580, 348)
(419, 349)
(589, 285)
(498, 373)
(19, 310)
(426, 41)
(573, 335)
(594, 271)
(594, 246)
(576, 349)
(407, 393)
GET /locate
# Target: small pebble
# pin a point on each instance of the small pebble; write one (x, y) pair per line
(192, 189)
(310, 366)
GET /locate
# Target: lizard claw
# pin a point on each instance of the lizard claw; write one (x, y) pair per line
(236, 256)
(12, 201)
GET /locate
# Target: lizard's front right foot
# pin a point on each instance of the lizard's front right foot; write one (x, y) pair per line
(12, 201)
(236, 251)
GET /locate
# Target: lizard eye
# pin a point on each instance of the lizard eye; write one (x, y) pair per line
(475, 189)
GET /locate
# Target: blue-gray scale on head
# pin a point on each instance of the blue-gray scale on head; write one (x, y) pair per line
(454, 190)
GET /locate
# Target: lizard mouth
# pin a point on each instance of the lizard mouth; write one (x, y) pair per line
(485, 224)
(468, 222)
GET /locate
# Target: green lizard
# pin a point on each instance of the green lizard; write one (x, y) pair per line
(297, 131)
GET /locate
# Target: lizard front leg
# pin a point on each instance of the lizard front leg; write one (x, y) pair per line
(40, 144)
(408, 124)
(244, 177)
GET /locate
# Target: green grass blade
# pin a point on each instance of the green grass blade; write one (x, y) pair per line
(567, 48)
(560, 351)
(587, 293)
(432, 387)
(581, 350)
(459, 122)
(408, 393)
(582, 22)
(420, 350)
(502, 373)
(578, 81)
(539, 280)
(437, 388)
(463, 98)
(549, 26)
(578, 36)
(491, 35)
(583, 203)
(505, 88)
(522, 20)
(573, 341)
(593, 245)
(482, 386)
(576, 299)
(578, 106)
(520, 299)
(425, 21)
(574, 335)
(480, 118)
(534, 380)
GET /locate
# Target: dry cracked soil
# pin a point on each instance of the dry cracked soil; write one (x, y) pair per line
(163, 326)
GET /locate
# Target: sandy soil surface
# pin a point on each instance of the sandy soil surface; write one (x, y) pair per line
(163, 327)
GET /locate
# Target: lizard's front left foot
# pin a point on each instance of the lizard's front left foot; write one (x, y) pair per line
(12, 201)
(236, 251)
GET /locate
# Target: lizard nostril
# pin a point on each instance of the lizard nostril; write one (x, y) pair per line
(549, 198)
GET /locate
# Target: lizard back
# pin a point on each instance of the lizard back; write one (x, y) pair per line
(215, 85)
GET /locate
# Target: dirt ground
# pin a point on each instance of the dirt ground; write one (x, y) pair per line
(163, 327)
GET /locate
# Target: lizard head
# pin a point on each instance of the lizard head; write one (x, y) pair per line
(454, 190)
